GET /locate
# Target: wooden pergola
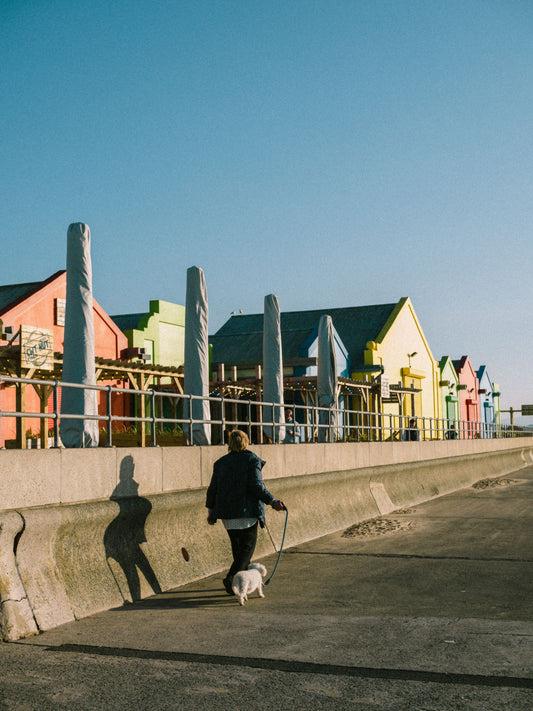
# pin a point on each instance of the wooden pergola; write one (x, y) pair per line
(369, 392)
(138, 375)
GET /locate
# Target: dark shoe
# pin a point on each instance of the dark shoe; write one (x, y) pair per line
(227, 585)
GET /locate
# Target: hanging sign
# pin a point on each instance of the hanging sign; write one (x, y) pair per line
(385, 389)
(36, 348)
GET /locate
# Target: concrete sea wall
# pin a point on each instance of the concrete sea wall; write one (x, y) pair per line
(83, 531)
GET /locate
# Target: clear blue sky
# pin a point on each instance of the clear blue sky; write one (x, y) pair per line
(333, 152)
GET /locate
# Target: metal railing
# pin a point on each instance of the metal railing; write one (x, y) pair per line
(261, 420)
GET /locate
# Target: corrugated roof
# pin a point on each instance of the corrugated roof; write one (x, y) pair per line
(240, 339)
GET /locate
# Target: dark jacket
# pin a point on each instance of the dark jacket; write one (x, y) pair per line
(236, 489)
(411, 434)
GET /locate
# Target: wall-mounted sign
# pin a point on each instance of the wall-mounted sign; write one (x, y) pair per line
(385, 386)
(36, 348)
(59, 311)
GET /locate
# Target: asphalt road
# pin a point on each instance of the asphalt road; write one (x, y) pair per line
(429, 608)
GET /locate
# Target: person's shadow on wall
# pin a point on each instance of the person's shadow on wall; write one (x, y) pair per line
(124, 535)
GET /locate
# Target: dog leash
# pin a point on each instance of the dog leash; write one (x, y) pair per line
(281, 547)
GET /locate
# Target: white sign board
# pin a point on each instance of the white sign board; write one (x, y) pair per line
(36, 348)
(385, 389)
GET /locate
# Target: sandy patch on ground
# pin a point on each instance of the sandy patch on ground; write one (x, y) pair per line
(491, 483)
(377, 527)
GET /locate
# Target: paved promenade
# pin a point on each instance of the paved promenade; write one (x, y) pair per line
(429, 608)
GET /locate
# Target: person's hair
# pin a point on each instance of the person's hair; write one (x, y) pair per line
(238, 441)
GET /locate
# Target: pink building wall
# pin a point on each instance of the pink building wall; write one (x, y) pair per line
(38, 309)
(468, 396)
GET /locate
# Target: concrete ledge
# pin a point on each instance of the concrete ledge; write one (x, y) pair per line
(79, 559)
(16, 618)
(64, 562)
(57, 476)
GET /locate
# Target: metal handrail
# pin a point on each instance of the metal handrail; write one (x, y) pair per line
(337, 424)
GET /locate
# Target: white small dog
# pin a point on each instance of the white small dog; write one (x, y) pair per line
(246, 581)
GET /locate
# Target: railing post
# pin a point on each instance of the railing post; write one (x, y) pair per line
(191, 437)
(153, 421)
(55, 401)
(109, 428)
(222, 419)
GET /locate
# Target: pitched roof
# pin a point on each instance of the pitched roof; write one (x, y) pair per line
(14, 293)
(240, 339)
(460, 364)
(128, 322)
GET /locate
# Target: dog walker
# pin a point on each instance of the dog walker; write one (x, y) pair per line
(281, 547)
